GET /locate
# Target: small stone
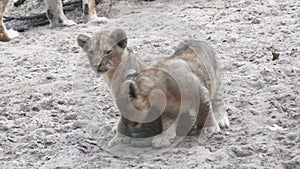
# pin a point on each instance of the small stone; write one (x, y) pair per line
(35, 109)
(78, 124)
(50, 77)
(241, 152)
(48, 94)
(255, 21)
(275, 56)
(71, 117)
(233, 40)
(62, 102)
(3, 127)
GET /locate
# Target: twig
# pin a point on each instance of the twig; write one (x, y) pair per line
(20, 18)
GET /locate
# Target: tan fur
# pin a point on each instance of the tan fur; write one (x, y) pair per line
(109, 56)
(191, 82)
(89, 12)
(3, 31)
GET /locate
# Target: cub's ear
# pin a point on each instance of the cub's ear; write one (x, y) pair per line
(83, 39)
(119, 37)
(133, 90)
(129, 88)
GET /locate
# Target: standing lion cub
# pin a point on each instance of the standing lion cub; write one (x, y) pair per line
(185, 88)
(109, 56)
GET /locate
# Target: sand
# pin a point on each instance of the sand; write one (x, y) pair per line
(56, 113)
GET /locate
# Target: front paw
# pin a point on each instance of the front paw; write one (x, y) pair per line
(103, 20)
(99, 20)
(63, 23)
(163, 140)
(12, 34)
(119, 139)
(141, 142)
(210, 129)
(224, 121)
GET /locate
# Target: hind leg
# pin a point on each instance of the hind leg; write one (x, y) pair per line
(220, 113)
(206, 120)
(219, 108)
(56, 15)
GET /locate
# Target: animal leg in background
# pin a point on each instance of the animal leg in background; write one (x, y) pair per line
(5, 35)
(56, 15)
(89, 12)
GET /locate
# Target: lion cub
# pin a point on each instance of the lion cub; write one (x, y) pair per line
(187, 90)
(109, 56)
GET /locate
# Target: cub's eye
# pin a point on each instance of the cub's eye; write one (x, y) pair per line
(107, 52)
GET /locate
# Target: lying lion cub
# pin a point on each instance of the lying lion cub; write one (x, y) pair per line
(109, 56)
(185, 87)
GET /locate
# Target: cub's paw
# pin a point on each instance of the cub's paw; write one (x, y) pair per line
(6, 36)
(102, 20)
(62, 23)
(210, 129)
(99, 20)
(68, 23)
(224, 121)
(141, 142)
(163, 140)
(119, 139)
(193, 131)
(12, 33)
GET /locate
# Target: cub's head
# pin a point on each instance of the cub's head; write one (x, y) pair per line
(104, 49)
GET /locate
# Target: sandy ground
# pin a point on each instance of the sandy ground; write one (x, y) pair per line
(55, 113)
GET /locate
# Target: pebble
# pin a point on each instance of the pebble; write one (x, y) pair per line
(255, 21)
(78, 124)
(71, 117)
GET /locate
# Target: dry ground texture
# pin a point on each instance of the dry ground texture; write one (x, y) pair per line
(55, 113)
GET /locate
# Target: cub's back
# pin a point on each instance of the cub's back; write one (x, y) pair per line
(202, 61)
